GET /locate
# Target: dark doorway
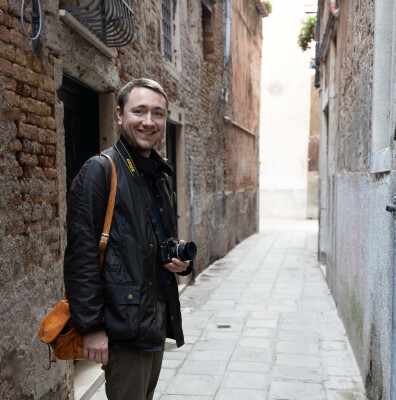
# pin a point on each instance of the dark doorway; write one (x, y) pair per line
(81, 122)
(171, 152)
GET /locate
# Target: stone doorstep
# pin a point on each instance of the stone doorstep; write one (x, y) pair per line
(89, 376)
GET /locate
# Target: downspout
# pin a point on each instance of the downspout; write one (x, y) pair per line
(227, 49)
(192, 206)
(392, 209)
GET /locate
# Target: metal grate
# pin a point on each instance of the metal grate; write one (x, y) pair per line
(167, 29)
(111, 21)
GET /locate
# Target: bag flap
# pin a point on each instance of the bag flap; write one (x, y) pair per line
(52, 325)
(122, 294)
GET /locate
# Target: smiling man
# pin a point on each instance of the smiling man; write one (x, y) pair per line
(126, 309)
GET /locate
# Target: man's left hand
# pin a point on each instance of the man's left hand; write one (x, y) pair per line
(177, 265)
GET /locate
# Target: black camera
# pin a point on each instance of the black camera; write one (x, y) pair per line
(171, 248)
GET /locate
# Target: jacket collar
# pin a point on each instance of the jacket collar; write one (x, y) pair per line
(148, 165)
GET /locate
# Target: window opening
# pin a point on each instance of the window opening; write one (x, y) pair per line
(167, 29)
(207, 34)
(81, 124)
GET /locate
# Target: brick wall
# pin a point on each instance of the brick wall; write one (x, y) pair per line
(32, 155)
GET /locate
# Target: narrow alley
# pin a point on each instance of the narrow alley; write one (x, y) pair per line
(260, 323)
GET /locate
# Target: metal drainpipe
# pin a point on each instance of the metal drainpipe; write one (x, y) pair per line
(392, 209)
(227, 47)
(192, 206)
(36, 23)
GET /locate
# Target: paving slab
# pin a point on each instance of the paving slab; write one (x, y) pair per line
(260, 324)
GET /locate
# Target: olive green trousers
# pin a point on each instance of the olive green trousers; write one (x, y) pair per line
(133, 374)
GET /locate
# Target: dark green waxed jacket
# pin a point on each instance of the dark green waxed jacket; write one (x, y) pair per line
(120, 298)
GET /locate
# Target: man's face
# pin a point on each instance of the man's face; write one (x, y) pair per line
(143, 121)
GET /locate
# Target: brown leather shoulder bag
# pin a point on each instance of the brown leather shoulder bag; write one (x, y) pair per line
(57, 329)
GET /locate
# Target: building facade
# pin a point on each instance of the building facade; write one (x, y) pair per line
(58, 101)
(357, 79)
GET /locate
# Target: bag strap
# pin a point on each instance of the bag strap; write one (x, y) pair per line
(104, 237)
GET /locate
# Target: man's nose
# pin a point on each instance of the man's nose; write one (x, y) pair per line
(148, 120)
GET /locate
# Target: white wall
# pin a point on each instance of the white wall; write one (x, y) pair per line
(285, 107)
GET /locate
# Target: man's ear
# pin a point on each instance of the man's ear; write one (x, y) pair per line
(119, 115)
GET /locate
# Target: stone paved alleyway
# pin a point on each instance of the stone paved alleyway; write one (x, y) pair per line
(261, 324)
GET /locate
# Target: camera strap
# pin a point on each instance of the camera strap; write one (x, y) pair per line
(129, 163)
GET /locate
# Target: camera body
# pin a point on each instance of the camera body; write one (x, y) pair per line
(171, 248)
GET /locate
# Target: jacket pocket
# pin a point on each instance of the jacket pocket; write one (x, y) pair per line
(121, 311)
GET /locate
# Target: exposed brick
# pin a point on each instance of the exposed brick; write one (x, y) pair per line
(14, 145)
(34, 93)
(11, 22)
(49, 70)
(50, 150)
(5, 35)
(19, 40)
(4, 5)
(34, 106)
(20, 73)
(17, 171)
(23, 89)
(6, 67)
(14, 114)
(12, 98)
(27, 160)
(50, 173)
(21, 57)
(49, 98)
(51, 137)
(51, 123)
(7, 51)
(38, 172)
(37, 120)
(27, 172)
(28, 131)
(10, 84)
(46, 83)
(36, 64)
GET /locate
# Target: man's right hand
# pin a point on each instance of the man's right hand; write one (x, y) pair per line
(96, 347)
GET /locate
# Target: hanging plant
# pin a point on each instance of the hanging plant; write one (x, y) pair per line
(269, 6)
(307, 33)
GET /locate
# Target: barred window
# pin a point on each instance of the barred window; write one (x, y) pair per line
(167, 29)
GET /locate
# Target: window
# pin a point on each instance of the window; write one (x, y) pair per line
(207, 33)
(167, 29)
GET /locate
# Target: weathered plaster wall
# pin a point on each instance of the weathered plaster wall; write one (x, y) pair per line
(32, 155)
(359, 247)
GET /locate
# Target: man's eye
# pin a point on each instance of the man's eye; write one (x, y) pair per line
(159, 114)
(138, 112)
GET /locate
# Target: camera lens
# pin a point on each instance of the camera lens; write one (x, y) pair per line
(186, 251)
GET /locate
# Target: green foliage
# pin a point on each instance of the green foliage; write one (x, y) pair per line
(306, 36)
(269, 6)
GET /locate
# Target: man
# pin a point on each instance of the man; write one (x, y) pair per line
(126, 310)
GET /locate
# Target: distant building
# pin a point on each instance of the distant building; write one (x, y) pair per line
(58, 109)
(357, 81)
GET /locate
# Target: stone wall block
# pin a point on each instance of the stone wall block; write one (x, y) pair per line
(34, 106)
(46, 83)
(7, 51)
(14, 145)
(22, 89)
(20, 57)
(11, 21)
(5, 35)
(14, 114)
(50, 173)
(10, 84)
(50, 137)
(25, 159)
(28, 131)
(37, 120)
(19, 40)
(16, 172)
(38, 172)
(12, 98)
(4, 5)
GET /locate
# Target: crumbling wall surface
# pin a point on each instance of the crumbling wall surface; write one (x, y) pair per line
(359, 262)
(30, 264)
(354, 92)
